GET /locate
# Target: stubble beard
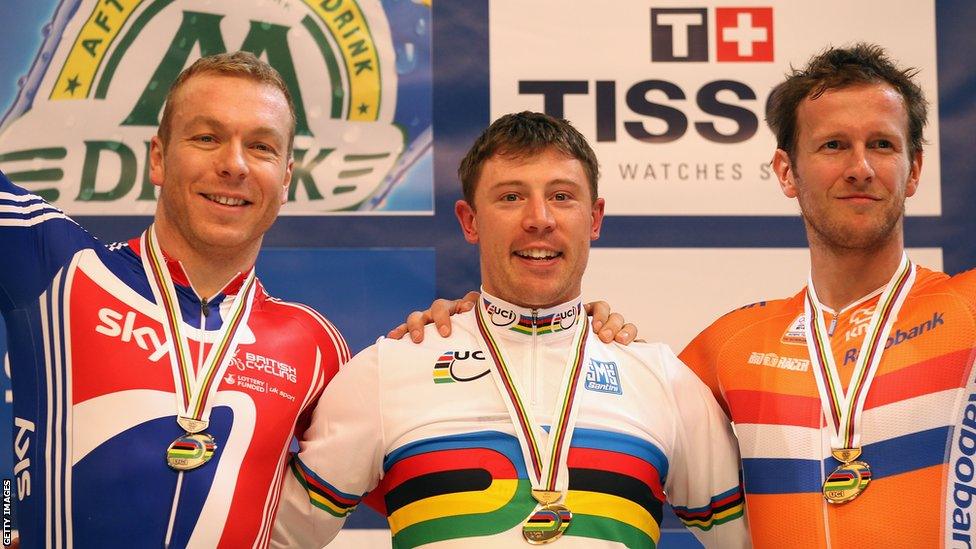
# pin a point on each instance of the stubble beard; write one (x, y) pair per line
(825, 230)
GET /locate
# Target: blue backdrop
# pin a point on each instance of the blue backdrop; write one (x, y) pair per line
(365, 273)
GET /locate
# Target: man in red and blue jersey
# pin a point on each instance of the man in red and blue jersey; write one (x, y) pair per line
(101, 458)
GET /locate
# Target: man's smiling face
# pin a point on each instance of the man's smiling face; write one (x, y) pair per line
(225, 167)
(533, 218)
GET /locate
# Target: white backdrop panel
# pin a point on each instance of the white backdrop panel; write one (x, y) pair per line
(671, 294)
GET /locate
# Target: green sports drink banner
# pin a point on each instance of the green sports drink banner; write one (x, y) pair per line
(358, 70)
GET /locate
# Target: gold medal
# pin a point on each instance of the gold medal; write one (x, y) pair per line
(190, 451)
(846, 455)
(545, 497)
(547, 524)
(847, 482)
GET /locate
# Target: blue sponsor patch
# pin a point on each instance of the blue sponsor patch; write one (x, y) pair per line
(602, 376)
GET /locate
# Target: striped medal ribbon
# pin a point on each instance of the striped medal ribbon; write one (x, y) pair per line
(549, 471)
(843, 410)
(194, 389)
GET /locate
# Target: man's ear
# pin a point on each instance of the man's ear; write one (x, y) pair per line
(597, 215)
(156, 169)
(913, 176)
(784, 170)
(287, 182)
(466, 217)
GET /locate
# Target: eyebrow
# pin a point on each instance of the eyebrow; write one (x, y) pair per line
(205, 120)
(521, 183)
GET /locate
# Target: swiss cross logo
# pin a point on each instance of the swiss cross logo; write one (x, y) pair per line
(741, 34)
(744, 34)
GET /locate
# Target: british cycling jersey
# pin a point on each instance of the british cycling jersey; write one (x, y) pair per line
(94, 396)
(919, 419)
(425, 429)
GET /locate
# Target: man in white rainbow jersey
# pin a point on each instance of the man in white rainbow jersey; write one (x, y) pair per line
(521, 427)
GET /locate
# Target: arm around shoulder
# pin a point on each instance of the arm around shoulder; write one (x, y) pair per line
(703, 483)
(340, 458)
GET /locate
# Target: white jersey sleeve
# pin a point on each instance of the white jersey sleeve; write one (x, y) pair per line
(340, 458)
(703, 483)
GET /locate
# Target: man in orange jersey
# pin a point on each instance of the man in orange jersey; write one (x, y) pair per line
(856, 428)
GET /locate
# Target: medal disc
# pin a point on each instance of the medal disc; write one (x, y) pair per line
(546, 524)
(190, 451)
(847, 482)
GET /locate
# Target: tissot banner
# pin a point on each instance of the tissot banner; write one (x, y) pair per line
(672, 94)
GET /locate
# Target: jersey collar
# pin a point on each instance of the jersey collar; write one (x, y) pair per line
(179, 274)
(513, 321)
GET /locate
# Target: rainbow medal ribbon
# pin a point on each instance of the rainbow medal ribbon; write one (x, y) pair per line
(549, 472)
(843, 411)
(194, 389)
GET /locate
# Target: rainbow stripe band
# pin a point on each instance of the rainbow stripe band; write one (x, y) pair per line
(322, 494)
(171, 311)
(194, 389)
(545, 475)
(722, 508)
(542, 325)
(844, 408)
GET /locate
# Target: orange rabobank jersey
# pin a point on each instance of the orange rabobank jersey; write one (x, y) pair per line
(918, 426)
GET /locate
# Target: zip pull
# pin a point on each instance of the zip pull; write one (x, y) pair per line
(833, 324)
(535, 318)
(204, 307)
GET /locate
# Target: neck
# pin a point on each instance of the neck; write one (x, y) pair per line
(209, 268)
(517, 302)
(842, 276)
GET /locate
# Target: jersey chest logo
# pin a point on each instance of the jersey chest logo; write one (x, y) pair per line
(602, 377)
(796, 332)
(460, 366)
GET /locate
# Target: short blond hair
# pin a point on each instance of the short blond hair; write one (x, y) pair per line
(242, 64)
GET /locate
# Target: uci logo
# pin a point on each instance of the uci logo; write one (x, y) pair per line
(82, 124)
(499, 316)
(460, 366)
(566, 319)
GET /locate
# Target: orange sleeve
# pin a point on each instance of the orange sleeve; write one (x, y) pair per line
(964, 284)
(701, 355)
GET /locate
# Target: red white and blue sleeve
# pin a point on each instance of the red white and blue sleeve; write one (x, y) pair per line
(36, 239)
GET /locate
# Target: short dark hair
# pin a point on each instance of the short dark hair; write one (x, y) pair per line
(837, 68)
(525, 134)
(243, 64)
